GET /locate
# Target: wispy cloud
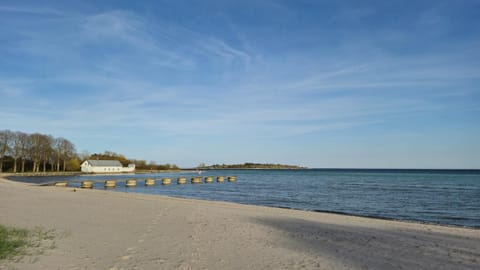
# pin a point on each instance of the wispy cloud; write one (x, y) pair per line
(127, 28)
(216, 47)
(30, 10)
(322, 79)
(166, 44)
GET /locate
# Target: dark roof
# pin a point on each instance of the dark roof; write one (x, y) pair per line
(105, 163)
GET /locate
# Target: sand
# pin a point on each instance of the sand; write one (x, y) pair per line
(98, 229)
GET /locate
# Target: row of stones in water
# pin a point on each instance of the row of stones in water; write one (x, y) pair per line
(151, 181)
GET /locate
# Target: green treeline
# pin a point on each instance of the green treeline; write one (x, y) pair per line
(250, 166)
(36, 152)
(22, 152)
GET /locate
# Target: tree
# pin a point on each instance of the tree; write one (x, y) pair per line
(152, 165)
(63, 150)
(5, 145)
(17, 150)
(140, 164)
(35, 151)
(84, 155)
(23, 141)
(68, 152)
(46, 149)
(72, 165)
(57, 149)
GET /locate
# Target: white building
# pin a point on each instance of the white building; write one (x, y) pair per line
(105, 166)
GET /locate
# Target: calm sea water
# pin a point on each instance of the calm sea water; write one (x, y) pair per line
(448, 197)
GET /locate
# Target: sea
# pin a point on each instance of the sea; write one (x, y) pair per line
(446, 197)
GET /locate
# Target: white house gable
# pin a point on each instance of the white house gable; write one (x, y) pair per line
(105, 166)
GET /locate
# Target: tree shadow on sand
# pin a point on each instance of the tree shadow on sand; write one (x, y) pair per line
(369, 248)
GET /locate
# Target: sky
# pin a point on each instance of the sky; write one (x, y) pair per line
(316, 83)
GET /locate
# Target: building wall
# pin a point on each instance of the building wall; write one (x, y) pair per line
(105, 169)
(86, 167)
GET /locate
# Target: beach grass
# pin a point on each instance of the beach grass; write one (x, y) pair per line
(18, 242)
(13, 242)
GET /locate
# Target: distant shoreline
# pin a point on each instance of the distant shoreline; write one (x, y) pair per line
(232, 169)
(360, 170)
(251, 165)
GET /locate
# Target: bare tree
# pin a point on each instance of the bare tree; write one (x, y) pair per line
(35, 152)
(24, 145)
(46, 149)
(5, 145)
(84, 155)
(16, 149)
(57, 149)
(68, 152)
(51, 156)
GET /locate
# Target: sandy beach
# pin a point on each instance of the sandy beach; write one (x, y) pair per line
(97, 229)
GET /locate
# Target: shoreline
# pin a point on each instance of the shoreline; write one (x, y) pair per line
(73, 173)
(409, 221)
(418, 221)
(359, 170)
(113, 230)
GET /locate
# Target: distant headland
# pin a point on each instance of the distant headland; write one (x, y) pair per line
(250, 165)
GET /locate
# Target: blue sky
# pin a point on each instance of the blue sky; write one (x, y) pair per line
(364, 84)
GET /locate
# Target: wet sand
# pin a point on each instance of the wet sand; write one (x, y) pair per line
(98, 229)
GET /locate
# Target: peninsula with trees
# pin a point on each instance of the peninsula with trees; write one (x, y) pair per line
(249, 165)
